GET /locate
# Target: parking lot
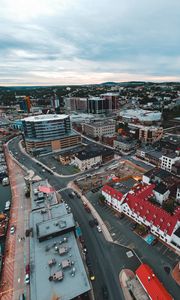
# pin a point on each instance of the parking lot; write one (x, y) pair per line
(121, 231)
(55, 165)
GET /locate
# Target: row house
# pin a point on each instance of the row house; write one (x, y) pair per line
(137, 206)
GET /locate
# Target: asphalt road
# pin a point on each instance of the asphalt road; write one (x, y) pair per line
(107, 259)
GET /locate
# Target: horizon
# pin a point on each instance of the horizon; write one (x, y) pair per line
(102, 83)
(67, 42)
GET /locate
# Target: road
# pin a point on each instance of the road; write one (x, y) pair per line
(107, 258)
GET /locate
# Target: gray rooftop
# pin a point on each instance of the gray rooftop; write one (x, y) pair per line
(41, 200)
(55, 225)
(125, 186)
(57, 269)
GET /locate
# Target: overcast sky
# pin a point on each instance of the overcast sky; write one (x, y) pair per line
(88, 41)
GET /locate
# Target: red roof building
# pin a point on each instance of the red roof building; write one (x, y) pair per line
(112, 192)
(138, 202)
(151, 284)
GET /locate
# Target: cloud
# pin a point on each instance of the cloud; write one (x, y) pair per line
(88, 41)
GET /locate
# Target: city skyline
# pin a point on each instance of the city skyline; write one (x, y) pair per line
(64, 42)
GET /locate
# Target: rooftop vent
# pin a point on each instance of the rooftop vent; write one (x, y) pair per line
(51, 262)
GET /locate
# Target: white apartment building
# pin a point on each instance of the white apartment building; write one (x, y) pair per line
(168, 160)
(85, 161)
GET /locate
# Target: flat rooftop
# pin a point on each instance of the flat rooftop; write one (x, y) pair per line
(124, 186)
(41, 200)
(57, 269)
(141, 114)
(46, 117)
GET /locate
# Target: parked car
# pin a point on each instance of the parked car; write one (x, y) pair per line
(99, 229)
(27, 279)
(91, 274)
(28, 269)
(12, 229)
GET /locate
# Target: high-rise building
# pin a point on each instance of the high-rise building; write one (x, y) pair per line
(76, 104)
(24, 103)
(50, 132)
(104, 104)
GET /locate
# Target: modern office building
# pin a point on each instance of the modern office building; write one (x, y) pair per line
(102, 105)
(76, 104)
(46, 133)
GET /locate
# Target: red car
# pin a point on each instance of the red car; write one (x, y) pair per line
(27, 269)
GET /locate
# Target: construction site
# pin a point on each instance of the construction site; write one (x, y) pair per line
(119, 172)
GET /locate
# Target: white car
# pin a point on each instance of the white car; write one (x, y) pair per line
(27, 279)
(12, 229)
(99, 228)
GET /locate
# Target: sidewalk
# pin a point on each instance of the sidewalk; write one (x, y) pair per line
(93, 211)
(124, 276)
(16, 248)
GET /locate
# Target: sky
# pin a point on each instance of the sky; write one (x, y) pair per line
(64, 42)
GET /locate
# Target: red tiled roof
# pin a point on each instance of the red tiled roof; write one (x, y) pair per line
(151, 283)
(137, 200)
(152, 213)
(112, 192)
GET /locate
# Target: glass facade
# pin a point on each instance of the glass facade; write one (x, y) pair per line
(46, 129)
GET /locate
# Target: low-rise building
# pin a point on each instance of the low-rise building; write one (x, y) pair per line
(124, 144)
(92, 156)
(99, 128)
(168, 160)
(146, 134)
(151, 283)
(86, 160)
(161, 193)
(137, 205)
(57, 269)
(170, 142)
(151, 155)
